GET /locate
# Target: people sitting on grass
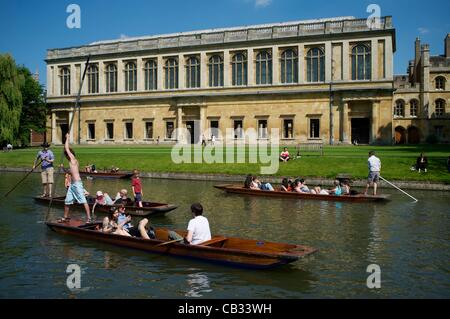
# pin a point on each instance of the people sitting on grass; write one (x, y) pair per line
(285, 156)
(422, 163)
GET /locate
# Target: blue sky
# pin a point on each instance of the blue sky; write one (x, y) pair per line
(29, 28)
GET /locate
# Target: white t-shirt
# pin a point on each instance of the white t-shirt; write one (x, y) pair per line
(200, 230)
(374, 164)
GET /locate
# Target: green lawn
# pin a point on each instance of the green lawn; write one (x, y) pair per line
(396, 161)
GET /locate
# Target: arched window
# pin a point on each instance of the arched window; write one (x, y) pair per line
(315, 65)
(130, 77)
(92, 73)
(289, 67)
(239, 69)
(171, 69)
(440, 107)
(414, 107)
(193, 73)
(399, 109)
(111, 78)
(361, 63)
(263, 68)
(440, 83)
(65, 81)
(215, 71)
(151, 75)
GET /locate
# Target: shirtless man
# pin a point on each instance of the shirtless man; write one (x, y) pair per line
(75, 192)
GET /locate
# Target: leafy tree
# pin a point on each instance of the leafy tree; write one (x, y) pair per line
(34, 109)
(11, 83)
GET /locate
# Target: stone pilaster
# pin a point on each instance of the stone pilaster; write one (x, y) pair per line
(301, 64)
(346, 60)
(251, 66)
(374, 55)
(226, 68)
(275, 65)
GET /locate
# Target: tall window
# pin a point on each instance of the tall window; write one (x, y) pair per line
(109, 130)
(414, 107)
(440, 83)
(128, 130)
(170, 127)
(361, 62)
(314, 128)
(111, 78)
(151, 75)
(65, 81)
(149, 130)
(315, 65)
(91, 131)
(214, 128)
(289, 67)
(171, 69)
(130, 77)
(262, 128)
(193, 73)
(92, 73)
(399, 109)
(288, 128)
(440, 107)
(239, 69)
(215, 71)
(263, 68)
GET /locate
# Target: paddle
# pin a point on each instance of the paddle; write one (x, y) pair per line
(170, 242)
(24, 178)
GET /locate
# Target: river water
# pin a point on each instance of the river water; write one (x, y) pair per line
(409, 241)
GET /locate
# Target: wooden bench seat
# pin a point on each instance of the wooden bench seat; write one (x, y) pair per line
(214, 241)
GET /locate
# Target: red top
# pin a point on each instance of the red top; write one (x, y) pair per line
(136, 183)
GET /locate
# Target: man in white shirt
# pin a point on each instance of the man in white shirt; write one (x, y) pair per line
(374, 164)
(198, 228)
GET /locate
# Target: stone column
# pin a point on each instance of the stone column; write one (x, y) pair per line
(140, 75)
(203, 70)
(181, 72)
(120, 77)
(301, 64)
(275, 66)
(328, 61)
(345, 61)
(389, 59)
(375, 120)
(50, 81)
(54, 140)
(226, 68)
(101, 78)
(251, 67)
(344, 122)
(160, 73)
(374, 55)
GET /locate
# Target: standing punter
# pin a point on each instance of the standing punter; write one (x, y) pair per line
(75, 192)
(47, 158)
(374, 164)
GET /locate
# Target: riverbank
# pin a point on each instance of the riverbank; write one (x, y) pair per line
(223, 178)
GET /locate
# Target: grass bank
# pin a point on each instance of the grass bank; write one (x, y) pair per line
(396, 161)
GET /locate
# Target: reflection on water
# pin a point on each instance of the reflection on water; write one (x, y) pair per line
(410, 242)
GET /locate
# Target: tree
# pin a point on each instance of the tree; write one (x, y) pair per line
(10, 99)
(34, 109)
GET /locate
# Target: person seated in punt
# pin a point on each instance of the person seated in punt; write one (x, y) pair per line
(122, 198)
(345, 185)
(145, 230)
(304, 188)
(90, 168)
(198, 227)
(337, 190)
(319, 191)
(286, 185)
(114, 169)
(258, 185)
(248, 181)
(285, 156)
(102, 199)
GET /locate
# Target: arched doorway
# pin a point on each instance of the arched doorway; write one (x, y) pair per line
(400, 135)
(413, 135)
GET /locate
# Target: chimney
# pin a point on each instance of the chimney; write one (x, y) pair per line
(447, 46)
(417, 51)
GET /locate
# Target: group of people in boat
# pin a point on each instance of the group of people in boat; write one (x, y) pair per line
(340, 187)
(120, 223)
(91, 168)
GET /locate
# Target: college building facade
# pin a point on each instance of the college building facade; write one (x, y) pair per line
(327, 80)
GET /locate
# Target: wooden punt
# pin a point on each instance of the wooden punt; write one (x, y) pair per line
(237, 189)
(149, 209)
(118, 175)
(224, 250)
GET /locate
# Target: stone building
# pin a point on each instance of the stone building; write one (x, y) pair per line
(327, 80)
(422, 97)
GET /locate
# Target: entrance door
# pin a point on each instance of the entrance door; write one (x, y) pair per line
(64, 131)
(190, 126)
(361, 131)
